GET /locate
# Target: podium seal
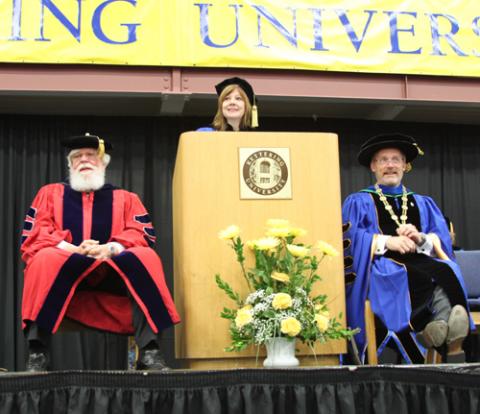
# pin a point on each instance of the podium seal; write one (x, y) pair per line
(264, 173)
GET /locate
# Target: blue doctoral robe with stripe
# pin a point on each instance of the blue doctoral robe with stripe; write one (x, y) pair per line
(376, 277)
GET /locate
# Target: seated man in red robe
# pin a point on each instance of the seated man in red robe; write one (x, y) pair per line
(88, 251)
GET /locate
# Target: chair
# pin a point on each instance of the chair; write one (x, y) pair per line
(431, 357)
(469, 262)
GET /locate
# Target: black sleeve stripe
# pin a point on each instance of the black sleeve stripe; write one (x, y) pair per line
(32, 212)
(150, 231)
(27, 225)
(144, 218)
(348, 261)
(350, 278)
(150, 242)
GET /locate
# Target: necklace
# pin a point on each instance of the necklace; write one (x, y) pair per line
(389, 208)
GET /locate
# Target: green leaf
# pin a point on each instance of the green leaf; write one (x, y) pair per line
(228, 289)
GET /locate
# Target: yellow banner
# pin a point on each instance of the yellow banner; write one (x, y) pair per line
(384, 36)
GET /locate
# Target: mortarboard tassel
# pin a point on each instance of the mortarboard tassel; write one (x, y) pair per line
(101, 147)
(254, 116)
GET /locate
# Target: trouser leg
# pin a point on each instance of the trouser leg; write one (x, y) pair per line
(440, 306)
(144, 334)
(38, 340)
(150, 356)
(36, 336)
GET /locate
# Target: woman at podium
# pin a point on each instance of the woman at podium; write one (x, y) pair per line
(237, 109)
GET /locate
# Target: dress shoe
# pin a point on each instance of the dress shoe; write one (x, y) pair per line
(433, 335)
(151, 360)
(458, 324)
(37, 361)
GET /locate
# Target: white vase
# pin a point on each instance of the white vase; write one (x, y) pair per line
(280, 353)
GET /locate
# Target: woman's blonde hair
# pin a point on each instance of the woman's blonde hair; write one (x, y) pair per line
(220, 122)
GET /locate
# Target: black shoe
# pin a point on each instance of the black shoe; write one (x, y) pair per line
(37, 361)
(151, 360)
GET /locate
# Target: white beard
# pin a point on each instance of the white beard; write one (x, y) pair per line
(92, 181)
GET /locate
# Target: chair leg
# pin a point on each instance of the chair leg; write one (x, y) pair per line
(132, 353)
(433, 357)
(371, 335)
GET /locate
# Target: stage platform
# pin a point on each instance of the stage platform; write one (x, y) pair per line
(435, 389)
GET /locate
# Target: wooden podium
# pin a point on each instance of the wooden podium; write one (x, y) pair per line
(206, 199)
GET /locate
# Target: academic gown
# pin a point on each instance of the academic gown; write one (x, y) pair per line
(384, 279)
(58, 283)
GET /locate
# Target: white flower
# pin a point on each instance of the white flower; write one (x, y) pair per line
(266, 243)
(326, 248)
(297, 232)
(297, 251)
(278, 232)
(229, 233)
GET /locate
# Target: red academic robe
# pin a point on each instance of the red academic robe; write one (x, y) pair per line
(55, 279)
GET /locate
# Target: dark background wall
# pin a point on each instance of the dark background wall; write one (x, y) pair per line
(143, 162)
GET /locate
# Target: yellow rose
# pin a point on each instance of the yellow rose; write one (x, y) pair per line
(281, 277)
(322, 322)
(278, 232)
(282, 301)
(267, 243)
(277, 223)
(326, 248)
(297, 232)
(290, 326)
(246, 308)
(229, 233)
(297, 251)
(244, 317)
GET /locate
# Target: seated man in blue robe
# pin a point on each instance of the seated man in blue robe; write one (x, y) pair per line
(399, 256)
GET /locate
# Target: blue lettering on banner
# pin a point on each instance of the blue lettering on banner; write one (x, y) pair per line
(74, 31)
(17, 20)
(436, 35)
(476, 30)
(398, 29)
(394, 31)
(352, 35)
(291, 37)
(204, 25)
(74, 28)
(100, 34)
(317, 30)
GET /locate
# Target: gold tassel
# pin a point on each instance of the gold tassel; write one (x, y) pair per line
(254, 116)
(101, 147)
(420, 151)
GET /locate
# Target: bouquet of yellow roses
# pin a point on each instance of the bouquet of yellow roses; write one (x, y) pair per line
(280, 302)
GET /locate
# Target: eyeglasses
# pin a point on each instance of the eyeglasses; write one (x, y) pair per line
(394, 161)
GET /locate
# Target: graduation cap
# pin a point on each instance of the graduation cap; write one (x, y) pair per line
(247, 88)
(404, 143)
(87, 141)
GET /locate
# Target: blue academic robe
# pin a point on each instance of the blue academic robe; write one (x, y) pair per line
(378, 278)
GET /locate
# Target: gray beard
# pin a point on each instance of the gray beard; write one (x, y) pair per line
(85, 183)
